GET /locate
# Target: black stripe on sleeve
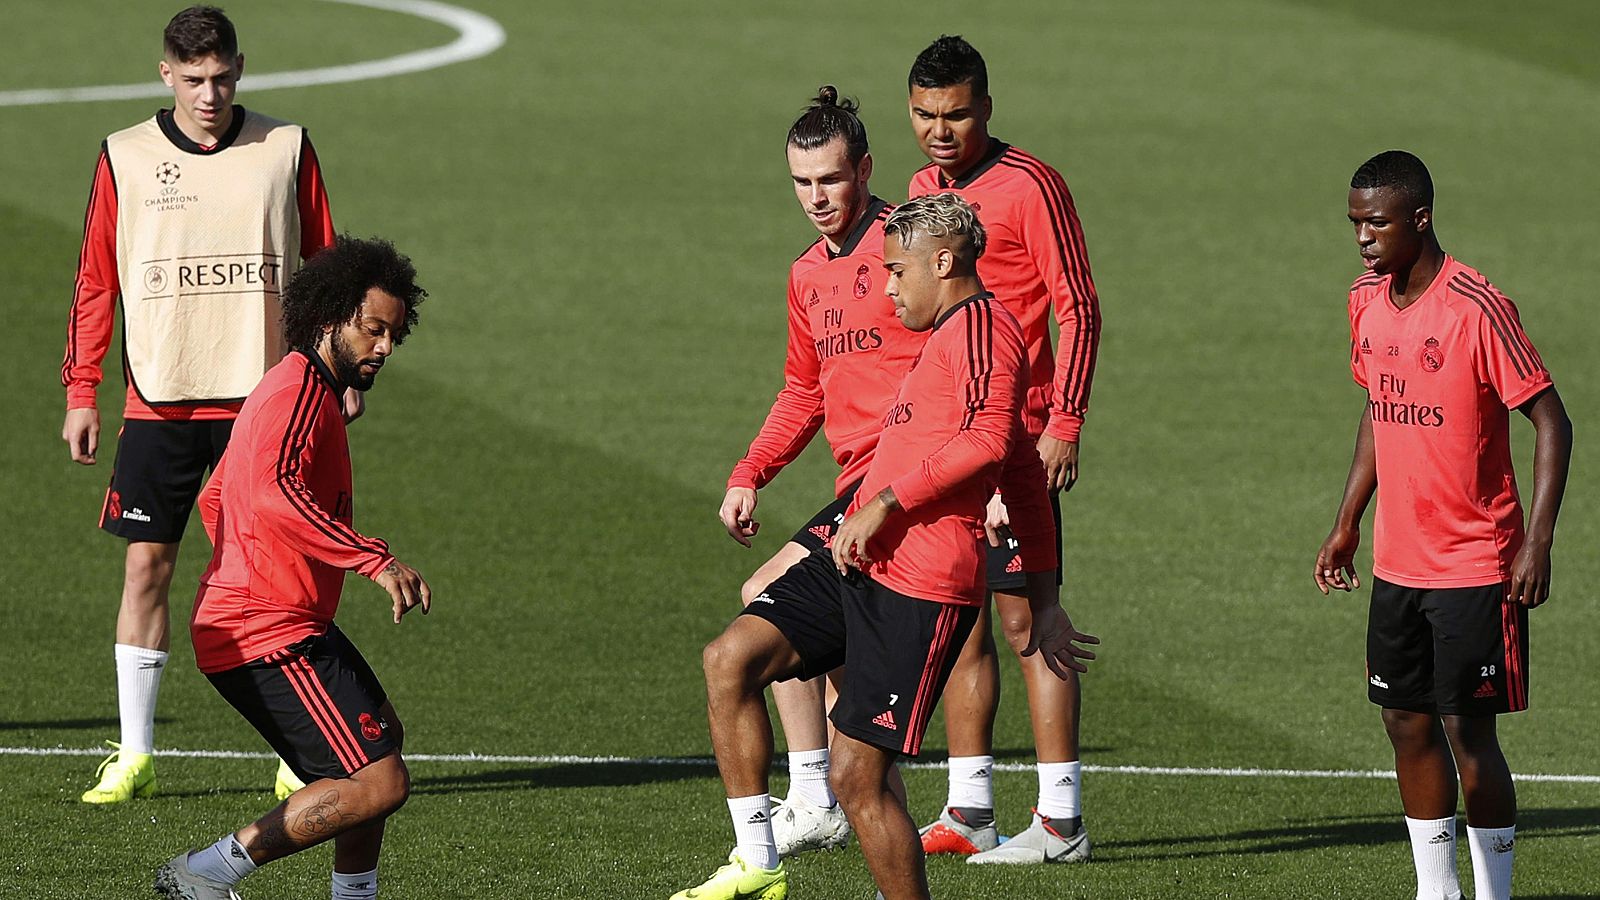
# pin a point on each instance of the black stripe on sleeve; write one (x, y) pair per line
(301, 423)
(1074, 261)
(1497, 319)
(71, 360)
(980, 359)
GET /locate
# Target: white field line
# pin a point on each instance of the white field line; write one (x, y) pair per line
(708, 762)
(476, 35)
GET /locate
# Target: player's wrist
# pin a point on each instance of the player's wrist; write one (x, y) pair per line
(1064, 427)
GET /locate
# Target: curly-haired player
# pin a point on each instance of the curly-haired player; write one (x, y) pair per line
(278, 510)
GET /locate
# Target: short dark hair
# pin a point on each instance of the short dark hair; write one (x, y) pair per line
(200, 31)
(829, 117)
(329, 288)
(947, 62)
(1399, 170)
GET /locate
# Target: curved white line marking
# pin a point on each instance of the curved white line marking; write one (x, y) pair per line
(476, 35)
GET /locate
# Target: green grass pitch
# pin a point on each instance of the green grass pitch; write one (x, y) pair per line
(601, 212)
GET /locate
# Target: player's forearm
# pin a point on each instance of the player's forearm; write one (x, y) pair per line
(961, 458)
(1074, 374)
(1043, 592)
(788, 429)
(288, 508)
(1362, 481)
(1552, 456)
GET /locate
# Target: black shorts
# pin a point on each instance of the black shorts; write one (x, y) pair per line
(817, 534)
(1005, 565)
(316, 702)
(159, 469)
(1450, 651)
(897, 650)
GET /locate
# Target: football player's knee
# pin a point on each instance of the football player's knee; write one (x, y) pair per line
(722, 663)
(394, 785)
(1017, 626)
(753, 586)
(1407, 727)
(1470, 736)
(146, 572)
(846, 776)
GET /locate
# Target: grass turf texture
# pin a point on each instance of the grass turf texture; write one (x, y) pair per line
(601, 212)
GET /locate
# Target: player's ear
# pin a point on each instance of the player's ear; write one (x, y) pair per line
(165, 71)
(1423, 217)
(988, 108)
(944, 260)
(238, 67)
(864, 169)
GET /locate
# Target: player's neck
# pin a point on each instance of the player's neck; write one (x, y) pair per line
(955, 292)
(194, 131)
(1408, 285)
(836, 241)
(962, 168)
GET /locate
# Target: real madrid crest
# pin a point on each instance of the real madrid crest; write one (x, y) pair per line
(1432, 358)
(863, 281)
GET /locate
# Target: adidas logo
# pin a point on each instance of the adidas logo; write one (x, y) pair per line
(817, 766)
(821, 531)
(1501, 845)
(1443, 837)
(1485, 690)
(236, 850)
(1366, 347)
(1066, 781)
(757, 819)
(981, 773)
(885, 719)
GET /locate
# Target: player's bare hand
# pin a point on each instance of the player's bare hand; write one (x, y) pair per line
(81, 431)
(1053, 636)
(996, 521)
(353, 404)
(406, 588)
(738, 514)
(1060, 460)
(1336, 561)
(850, 541)
(1530, 575)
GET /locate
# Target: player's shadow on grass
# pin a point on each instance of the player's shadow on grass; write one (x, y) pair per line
(1014, 754)
(564, 775)
(1332, 831)
(65, 724)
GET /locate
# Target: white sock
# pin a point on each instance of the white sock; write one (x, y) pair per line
(752, 830)
(971, 783)
(359, 886)
(1059, 784)
(808, 777)
(1491, 861)
(225, 861)
(1433, 852)
(138, 680)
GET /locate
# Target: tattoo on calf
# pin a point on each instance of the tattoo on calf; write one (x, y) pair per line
(322, 819)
